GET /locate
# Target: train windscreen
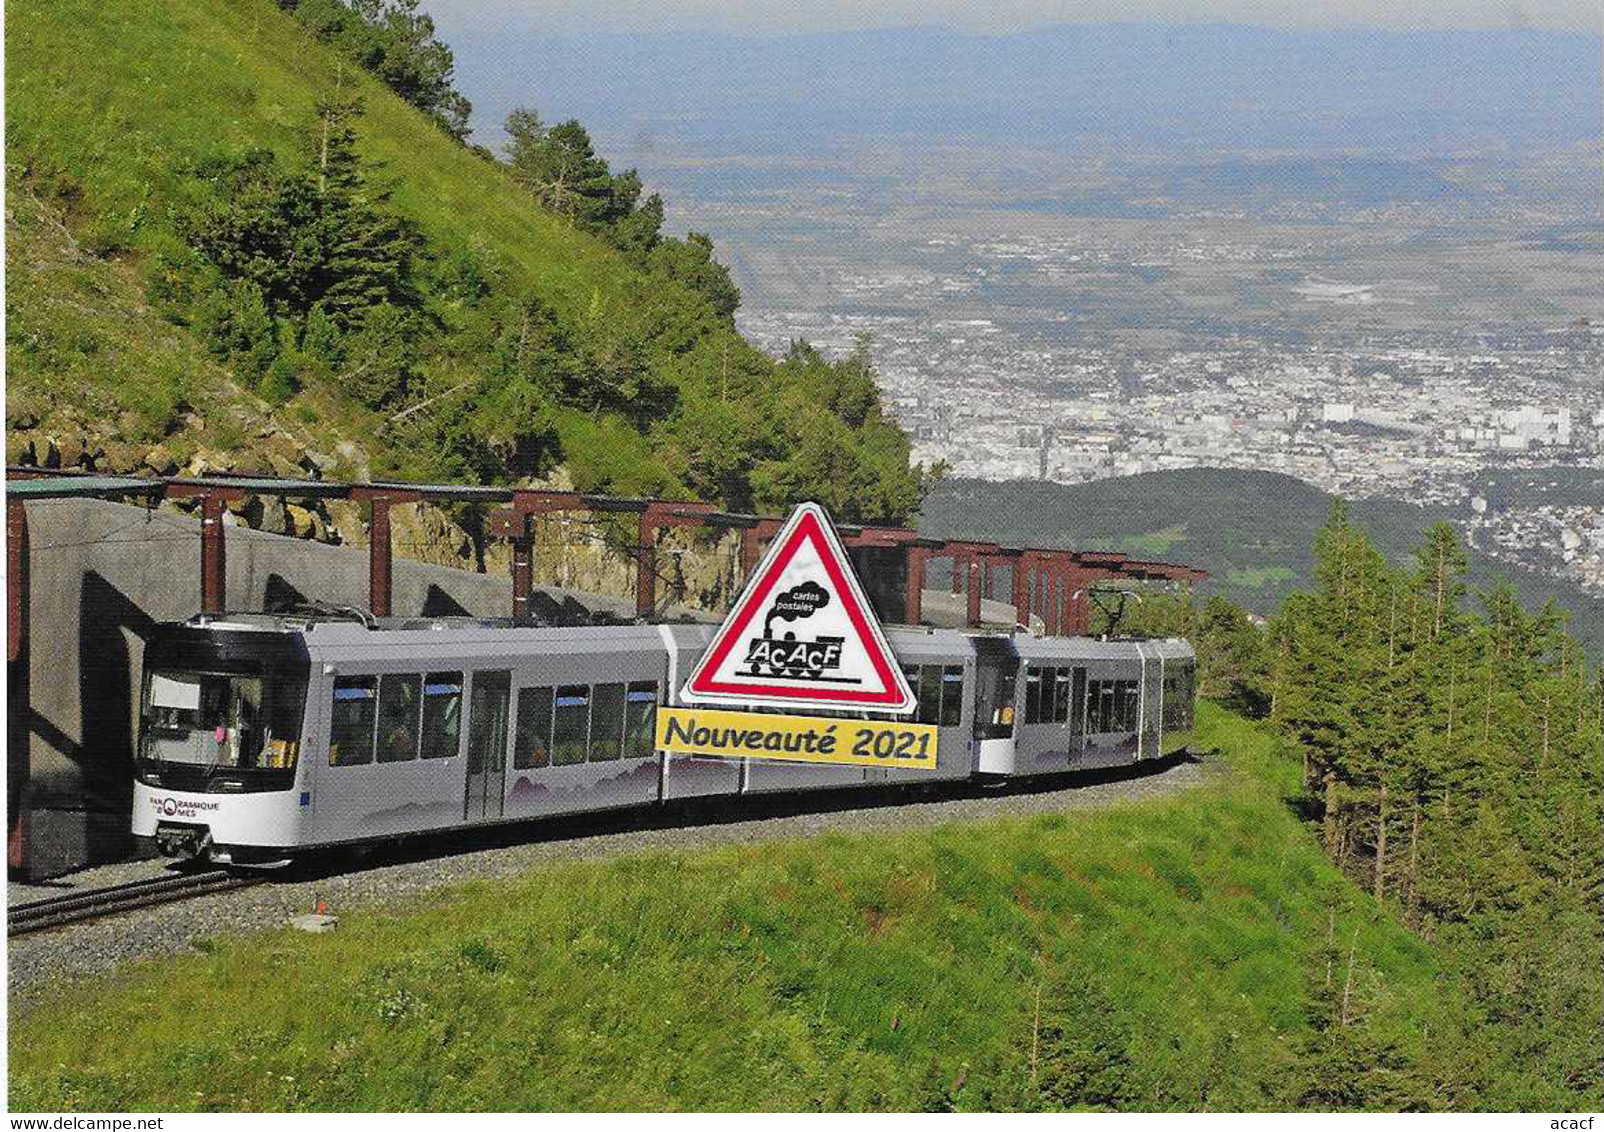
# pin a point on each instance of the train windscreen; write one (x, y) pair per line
(224, 721)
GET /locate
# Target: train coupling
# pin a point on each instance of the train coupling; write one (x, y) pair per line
(183, 841)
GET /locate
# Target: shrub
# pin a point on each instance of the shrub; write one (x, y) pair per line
(238, 328)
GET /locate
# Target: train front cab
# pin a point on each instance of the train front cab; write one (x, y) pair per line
(995, 705)
(220, 766)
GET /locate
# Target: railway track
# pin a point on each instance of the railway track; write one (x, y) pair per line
(58, 911)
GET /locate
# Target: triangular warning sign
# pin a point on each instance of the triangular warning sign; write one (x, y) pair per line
(802, 633)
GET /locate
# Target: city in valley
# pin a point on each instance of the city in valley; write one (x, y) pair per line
(1061, 352)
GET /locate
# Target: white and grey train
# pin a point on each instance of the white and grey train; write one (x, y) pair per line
(267, 736)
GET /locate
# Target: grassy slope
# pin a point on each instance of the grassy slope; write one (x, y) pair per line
(868, 971)
(78, 331)
(174, 80)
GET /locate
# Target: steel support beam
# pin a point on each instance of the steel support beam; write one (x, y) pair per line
(752, 545)
(960, 571)
(1077, 619)
(214, 563)
(914, 596)
(523, 566)
(1023, 580)
(381, 550)
(214, 555)
(646, 565)
(379, 558)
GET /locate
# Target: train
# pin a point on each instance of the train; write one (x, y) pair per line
(267, 736)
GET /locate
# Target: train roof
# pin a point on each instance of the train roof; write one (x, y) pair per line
(351, 634)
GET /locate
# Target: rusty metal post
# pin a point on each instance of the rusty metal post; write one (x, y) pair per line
(1077, 620)
(913, 597)
(523, 565)
(379, 557)
(646, 566)
(751, 546)
(975, 568)
(1022, 580)
(214, 561)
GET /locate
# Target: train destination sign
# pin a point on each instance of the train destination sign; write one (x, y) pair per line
(802, 633)
(798, 738)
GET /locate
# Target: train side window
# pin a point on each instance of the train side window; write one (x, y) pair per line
(607, 723)
(442, 715)
(911, 672)
(930, 694)
(351, 724)
(571, 735)
(400, 704)
(952, 695)
(640, 720)
(1099, 706)
(1131, 707)
(1177, 695)
(532, 745)
(1033, 695)
(1062, 685)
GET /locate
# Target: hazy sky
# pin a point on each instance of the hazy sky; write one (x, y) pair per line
(787, 16)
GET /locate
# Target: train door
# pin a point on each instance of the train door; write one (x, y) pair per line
(489, 700)
(996, 694)
(1152, 709)
(1077, 723)
(1113, 714)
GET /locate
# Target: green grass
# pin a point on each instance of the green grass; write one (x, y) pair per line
(78, 332)
(1152, 543)
(1262, 576)
(1154, 952)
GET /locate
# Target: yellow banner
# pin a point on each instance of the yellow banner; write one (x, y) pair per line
(796, 738)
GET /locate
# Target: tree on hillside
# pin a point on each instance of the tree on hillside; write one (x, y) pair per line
(323, 235)
(560, 168)
(635, 226)
(690, 262)
(396, 43)
(1458, 756)
(368, 247)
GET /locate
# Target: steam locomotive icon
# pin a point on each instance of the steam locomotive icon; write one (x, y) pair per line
(787, 656)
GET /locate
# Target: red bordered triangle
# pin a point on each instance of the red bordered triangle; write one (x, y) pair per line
(802, 632)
